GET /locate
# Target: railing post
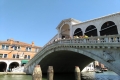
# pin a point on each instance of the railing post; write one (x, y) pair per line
(84, 40)
(98, 40)
(106, 40)
(70, 41)
(37, 73)
(50, 73)
(77, 73)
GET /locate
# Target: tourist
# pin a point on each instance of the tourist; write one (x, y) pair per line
(86, 36)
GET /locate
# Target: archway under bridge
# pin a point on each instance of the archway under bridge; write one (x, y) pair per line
(64, 61)
(107, 55)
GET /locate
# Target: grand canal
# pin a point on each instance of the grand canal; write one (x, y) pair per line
(86, 76)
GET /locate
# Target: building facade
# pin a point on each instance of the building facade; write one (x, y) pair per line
(15, 53)
(89, 67)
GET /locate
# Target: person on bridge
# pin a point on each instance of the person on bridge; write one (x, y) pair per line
(80, 36)
(85, 36)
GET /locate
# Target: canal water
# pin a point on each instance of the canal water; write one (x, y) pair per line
(85, 76)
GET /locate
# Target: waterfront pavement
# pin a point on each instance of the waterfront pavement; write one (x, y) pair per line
(13, 73)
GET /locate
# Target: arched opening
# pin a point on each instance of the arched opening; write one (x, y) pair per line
(91, 31)
(3, 66)
(65, 31)
(108, 28)
(13, 65)
(78, 32)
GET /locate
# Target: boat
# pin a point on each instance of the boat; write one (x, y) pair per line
(104, 69)
(98, 71)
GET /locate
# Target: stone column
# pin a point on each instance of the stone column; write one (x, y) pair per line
(8, 63)
(37, 73)
(50, 73)
(77, 73)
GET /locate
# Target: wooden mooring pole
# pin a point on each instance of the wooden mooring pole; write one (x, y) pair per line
(37, 73)
(77, 73)
(50, 73)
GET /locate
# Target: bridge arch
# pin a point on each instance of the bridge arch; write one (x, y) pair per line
(89, 54)
(103, 49)
(78, 32)
(91, 31)
(65, 31)
(3, 66)
(64, 61)
(108, 28)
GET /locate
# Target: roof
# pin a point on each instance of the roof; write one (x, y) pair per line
(19, 43)
(109, 15)
(66, 20)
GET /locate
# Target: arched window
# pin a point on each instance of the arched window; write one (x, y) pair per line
(108, 28)
(78, 32)
(91, 31)
(65, 31)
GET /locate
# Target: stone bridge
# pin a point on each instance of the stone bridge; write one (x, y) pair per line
(64, 54)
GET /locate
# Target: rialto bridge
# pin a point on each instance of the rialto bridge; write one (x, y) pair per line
(63, 52)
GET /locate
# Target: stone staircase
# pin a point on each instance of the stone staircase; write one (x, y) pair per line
(18, 69)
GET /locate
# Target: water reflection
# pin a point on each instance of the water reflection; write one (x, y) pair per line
(85, 76)
(15, 77)
(61, 77)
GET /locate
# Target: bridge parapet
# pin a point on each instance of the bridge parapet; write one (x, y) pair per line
(100, 39)
(111, 41)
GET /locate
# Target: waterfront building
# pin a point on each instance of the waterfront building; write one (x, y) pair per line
(15, 54)
(89, 67)
(99, 65)
(94, 65)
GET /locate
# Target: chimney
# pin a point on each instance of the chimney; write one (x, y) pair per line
(11, 41)
(32, 44)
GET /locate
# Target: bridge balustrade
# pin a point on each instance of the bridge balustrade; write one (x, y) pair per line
(100, 39)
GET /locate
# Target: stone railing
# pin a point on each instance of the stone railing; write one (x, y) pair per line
(114, 39)
(101, 39)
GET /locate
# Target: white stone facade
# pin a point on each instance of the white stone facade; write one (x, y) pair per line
(89, 67)
(68, 26)
(8, 62)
